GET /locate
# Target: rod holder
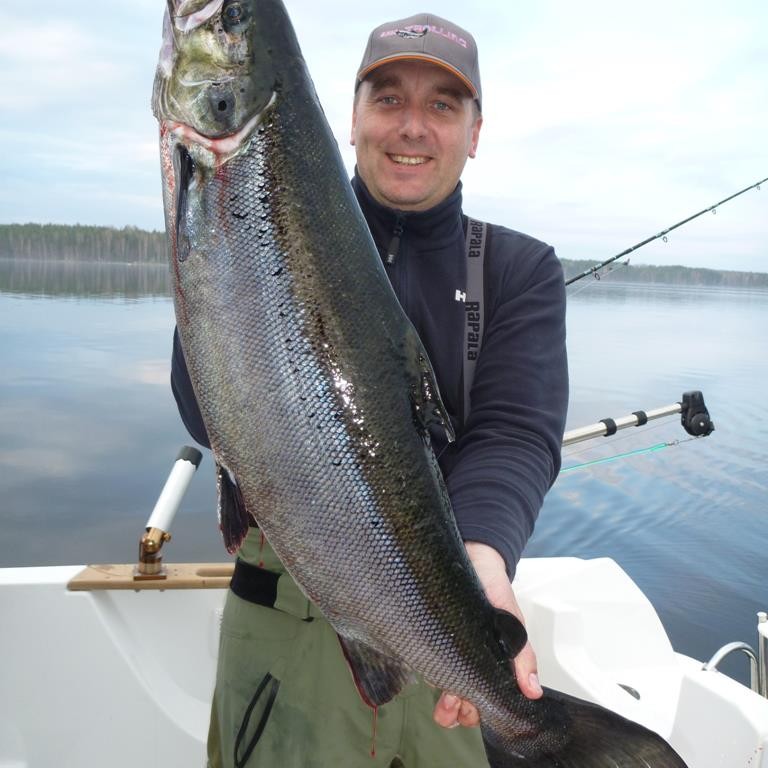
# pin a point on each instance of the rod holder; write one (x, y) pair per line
(156, 532)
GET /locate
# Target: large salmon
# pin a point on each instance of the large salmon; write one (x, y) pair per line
(317, 394)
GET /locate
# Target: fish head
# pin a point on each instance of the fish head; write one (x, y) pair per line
(214, 82)
(214, 77)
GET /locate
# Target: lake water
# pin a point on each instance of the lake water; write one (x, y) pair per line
(89, 431)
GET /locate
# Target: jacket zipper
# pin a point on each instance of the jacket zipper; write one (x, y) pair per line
(394, 243)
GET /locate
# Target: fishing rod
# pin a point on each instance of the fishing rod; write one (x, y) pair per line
(663, 233)
(694, 418)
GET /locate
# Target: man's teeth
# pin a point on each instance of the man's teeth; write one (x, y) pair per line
(405, 160)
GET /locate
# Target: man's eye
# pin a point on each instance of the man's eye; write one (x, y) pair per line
(388, 100)
(442, 106)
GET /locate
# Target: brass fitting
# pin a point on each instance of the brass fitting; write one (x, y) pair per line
(150, 565)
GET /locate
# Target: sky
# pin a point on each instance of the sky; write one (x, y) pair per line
(604, 122)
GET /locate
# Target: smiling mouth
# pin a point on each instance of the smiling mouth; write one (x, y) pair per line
(408, 159)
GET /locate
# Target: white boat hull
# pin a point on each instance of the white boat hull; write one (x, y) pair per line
(104, 678)
(122, 678)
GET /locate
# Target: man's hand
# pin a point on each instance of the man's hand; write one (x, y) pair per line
(452, 711)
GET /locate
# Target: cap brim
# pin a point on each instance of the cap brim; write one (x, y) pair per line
(363, 73)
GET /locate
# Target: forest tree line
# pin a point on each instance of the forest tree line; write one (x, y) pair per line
(131, 245)
(669, 275)
(81, 243)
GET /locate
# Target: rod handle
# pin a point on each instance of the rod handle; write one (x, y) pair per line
(175, 487)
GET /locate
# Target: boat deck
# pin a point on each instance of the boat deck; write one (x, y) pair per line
(102, 673)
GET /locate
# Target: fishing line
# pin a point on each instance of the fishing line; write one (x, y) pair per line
(598, 275)
(616, 457)
(617, 438)
(663, 234)
(638, 452)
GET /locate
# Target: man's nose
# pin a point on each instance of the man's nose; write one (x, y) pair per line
(414, 123)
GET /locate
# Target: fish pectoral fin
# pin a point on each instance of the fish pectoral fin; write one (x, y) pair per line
(428, 407)
(378, 678)
(233, 514)
(510, 632)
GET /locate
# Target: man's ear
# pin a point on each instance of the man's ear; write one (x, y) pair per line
(354, 125)
(475, 136)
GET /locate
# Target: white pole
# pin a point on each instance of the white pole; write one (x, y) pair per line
(174, 489)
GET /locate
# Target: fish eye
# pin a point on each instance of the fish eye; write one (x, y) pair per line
(233, 15)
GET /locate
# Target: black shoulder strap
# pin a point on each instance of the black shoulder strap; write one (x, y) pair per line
(477, 232)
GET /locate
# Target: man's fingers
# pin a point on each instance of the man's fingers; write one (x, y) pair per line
(447, 710)
(468, 715)
(452, 711)
(527, 673)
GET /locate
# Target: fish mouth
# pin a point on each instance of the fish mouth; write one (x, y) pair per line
(184, 172)
(205, 81)
(188, 14)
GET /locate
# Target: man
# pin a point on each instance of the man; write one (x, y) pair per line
(416, 120)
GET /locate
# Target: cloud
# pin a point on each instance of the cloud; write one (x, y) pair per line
(96, 152)
(600, 138)
(51, 62)
(49, 42)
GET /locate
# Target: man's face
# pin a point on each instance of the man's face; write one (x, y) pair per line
(413, 127)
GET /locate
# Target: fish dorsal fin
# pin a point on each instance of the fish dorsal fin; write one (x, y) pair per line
(428, 407)
(510, 632)
(378, 678)
(233, 515)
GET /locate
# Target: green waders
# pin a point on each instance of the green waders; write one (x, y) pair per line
(285, 697)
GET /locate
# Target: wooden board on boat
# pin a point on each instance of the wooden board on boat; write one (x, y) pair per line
(177, 576)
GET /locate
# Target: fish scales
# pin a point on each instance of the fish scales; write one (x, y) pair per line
(318, 464)
(316, 392)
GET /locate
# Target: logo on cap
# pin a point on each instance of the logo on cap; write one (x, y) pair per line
(412, 32)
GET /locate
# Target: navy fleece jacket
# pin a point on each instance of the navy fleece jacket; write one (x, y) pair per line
(507, 451)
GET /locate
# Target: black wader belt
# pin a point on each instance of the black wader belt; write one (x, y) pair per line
(474, 309)
(254, 584)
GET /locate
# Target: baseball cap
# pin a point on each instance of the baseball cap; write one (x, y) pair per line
(424, 37)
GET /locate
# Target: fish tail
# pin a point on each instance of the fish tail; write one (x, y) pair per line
(571, 733)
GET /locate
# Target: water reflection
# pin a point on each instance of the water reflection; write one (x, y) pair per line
(83, 279)
(88, 426)
(659, 294)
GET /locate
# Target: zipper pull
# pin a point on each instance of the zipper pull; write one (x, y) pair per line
(394, 245)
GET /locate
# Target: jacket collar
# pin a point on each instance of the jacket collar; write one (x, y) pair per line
(427, 230)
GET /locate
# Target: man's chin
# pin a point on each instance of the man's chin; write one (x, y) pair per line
(398, 193)
(407, 200)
